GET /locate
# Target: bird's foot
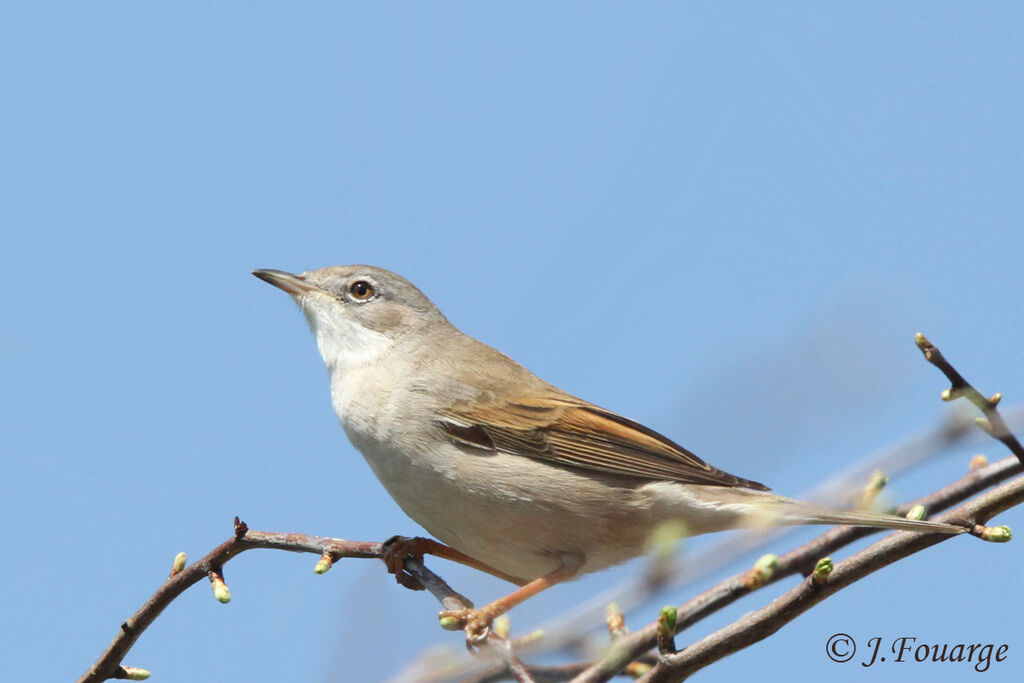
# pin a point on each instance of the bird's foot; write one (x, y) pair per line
(397, 550)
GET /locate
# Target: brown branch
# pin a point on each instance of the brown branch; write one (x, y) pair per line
(993, 422)
(211, 566)
(758, 625)
(511, 664)
(799, 560)
(802, 559)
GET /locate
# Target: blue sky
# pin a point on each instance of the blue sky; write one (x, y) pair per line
(724, 221)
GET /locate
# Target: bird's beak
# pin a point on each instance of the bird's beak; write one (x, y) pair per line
(293, 284)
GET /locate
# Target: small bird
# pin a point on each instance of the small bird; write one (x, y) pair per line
(514, 475)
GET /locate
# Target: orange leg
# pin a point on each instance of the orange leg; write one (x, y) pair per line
(477, 622)
(397, 548)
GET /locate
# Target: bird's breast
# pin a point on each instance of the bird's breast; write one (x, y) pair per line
(513, 512)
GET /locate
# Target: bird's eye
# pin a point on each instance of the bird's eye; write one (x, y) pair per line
(361, 290)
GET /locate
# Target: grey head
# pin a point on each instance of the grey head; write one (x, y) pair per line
(357, 312)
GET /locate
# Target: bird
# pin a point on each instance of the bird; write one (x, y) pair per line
(509, 473)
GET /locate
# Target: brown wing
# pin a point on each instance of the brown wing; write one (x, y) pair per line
(573, 433)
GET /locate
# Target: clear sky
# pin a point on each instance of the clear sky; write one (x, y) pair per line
(724, 220)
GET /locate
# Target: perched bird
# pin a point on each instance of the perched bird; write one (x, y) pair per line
(516, 476)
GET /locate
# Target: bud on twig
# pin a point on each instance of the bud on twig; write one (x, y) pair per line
(667, 630)
(502, 626)
(978, 462)
(132, 673)
(637, 669)
(325, 563)
(179, 563)
(615, 620)
(762, 571)
(822, 570)
(874, 486)
(996, 534)
(917, 512)
(220, 589)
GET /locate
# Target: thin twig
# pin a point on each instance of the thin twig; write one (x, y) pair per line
(211, 565)
(758, 625)
(501, 648)
(802, 558)
(993, 422)
(799, 560)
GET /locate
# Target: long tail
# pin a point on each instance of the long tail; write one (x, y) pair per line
(787, 511)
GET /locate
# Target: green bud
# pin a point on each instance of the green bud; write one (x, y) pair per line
(916, 512)
(871, 490)
(179, 563)
(762, 571)
(822, 570)
(133, 673)
(502, 625)
(614, 619)
(667, 630)
(667, 620)
(767, 564)
(220, 589)
(997, 534)
(323, 564)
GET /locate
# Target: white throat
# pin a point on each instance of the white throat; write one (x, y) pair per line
(356, 359)
(345, 344)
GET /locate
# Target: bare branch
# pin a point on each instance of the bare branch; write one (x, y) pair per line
(992, 422)
(800, 560)
(211, 566)
(767, 620)
(803, 558)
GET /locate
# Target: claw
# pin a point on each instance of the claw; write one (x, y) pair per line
(396, 550)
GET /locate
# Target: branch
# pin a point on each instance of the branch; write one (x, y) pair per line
(800, 560)
(211, 567)
(803, 559)
(992, 422)
(767, 620)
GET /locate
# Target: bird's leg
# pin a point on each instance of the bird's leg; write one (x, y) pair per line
(477, 622)
(397, 548)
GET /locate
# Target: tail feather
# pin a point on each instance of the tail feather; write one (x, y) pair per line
(789, 511)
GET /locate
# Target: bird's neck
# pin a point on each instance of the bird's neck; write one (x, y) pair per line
(346, 345)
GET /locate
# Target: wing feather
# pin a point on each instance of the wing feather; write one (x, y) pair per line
(572, 433)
